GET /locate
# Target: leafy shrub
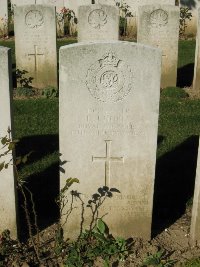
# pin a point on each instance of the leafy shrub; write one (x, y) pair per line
(158, 259)
(95, 244)
(50, 92)
(185, 15)
(193, 263)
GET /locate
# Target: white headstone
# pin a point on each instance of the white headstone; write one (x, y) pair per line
(158, 25)
(98, 22)
(3, 18)
(133, 8)
(110, 137)
(7, 181)
(35, 43)
(196, 81)
(195, 224)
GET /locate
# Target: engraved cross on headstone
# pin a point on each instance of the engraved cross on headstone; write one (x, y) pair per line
(108, 159)
(36, 54)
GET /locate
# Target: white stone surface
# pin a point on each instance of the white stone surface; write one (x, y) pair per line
(196, 81)
(57, 3)
(35, 43)
(23, 2)
(3, 18)
(108, 130)
(158, 25)
(7, 182)
(98, 22)
(105, 2)
(133, 8)
(195, 223)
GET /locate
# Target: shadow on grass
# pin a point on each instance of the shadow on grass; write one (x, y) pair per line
(174, 184)
(45, 188)
(41, 146)
(185, 75)
(44, 185)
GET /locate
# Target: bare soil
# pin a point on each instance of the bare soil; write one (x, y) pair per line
(175, 240)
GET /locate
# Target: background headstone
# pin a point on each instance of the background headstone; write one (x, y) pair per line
(3, 18)
(195, 223)
(98, 22)
(59, 4)
(158, 25)
(196, 79)
(133, 8)
(35, 43)
(112, 138)
(7, 182)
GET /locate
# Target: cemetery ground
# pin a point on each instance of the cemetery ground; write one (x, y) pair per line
(36, 128)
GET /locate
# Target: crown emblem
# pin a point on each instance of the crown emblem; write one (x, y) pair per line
(109, 60)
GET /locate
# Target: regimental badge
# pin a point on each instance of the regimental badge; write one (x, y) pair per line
(109, 79)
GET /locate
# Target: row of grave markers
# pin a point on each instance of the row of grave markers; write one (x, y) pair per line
(113, 143)
(158, 25)
(36, 24)
(133, 9)
(74, 5)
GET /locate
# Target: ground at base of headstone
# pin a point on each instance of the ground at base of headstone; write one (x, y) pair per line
(170, 246)
(193, 94)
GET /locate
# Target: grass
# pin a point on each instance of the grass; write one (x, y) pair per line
(186, 52)
(193, 263)
(179, 119)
